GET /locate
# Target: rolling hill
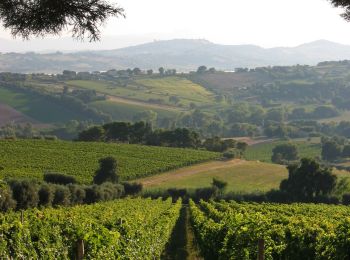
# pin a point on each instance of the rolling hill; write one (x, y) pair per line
(182, 54)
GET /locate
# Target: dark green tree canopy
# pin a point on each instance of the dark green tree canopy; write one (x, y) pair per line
(284, 152)
(308, 180)
(107, 171)
(343, 4)
(27, 18)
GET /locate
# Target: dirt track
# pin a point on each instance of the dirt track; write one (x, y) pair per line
(184, 172)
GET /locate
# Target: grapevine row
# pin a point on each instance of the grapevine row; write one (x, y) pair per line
(127, 229)
(31, 158)
(300, 231)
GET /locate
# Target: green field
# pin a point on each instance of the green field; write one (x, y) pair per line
(37, 107)
(177, 86)
(126, 112)
(32, 158)
(146, 88)
(345, 116)
(243, 177)
(263, 152)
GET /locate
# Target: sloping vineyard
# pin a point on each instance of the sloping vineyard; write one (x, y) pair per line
(31, 158)
(123, 229)
(230, 230)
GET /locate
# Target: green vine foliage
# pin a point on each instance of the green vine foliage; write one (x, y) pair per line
(230, 230)
(122, 229)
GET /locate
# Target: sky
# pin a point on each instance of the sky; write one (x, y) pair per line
(267, 23)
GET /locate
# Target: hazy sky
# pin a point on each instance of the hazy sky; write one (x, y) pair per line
(267, 23)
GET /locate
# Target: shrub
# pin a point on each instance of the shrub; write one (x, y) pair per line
(46, 195)
(110, 191)
(205, 193)
(177, 193)
(77, 194)
(58, 178)
(230, 154)
(132, 188)
(346, 199)
(104, 192)
(6, 201)
(25, 193)
(278, 196)
(219, 184)
(62, 196)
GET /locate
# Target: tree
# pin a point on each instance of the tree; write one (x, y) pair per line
(25, 193)
(95, 133)
(27, 18)
(219, 184)
(346, 151)
(6, 200)
(308, 180)
(148, 116)
(344, 4)
(284, 152)
(136, 71)
(149, 72)
(161, 71)
(201, 69)
(107, 171)
(331, 150)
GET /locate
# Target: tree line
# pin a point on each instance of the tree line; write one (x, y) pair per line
(64, 190)
(143, 133)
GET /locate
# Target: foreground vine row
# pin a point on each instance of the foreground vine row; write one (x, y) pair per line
(230, 230)
(127, 229)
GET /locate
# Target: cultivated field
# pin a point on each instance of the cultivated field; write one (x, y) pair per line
(32, 158)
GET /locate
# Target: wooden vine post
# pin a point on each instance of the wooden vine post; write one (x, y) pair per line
(261, 249)
(80, 249)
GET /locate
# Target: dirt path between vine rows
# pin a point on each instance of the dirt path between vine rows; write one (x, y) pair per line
(190, 170)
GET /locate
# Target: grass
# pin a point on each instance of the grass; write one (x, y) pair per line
(245, 177)
(32, 158)
(177, 86)
(146, 88)
(37, 108)
(345, 116)
(263, 152)
(126, 112)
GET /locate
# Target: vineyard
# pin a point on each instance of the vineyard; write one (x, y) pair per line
(31, 158)
(124, 229)
(230, 230)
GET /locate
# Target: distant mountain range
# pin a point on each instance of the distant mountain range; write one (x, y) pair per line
(181, 54)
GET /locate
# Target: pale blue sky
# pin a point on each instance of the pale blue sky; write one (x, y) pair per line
(267, 23)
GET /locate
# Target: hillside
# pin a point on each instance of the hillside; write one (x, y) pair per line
(32, 158)
(241, 176)
(182, 54)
